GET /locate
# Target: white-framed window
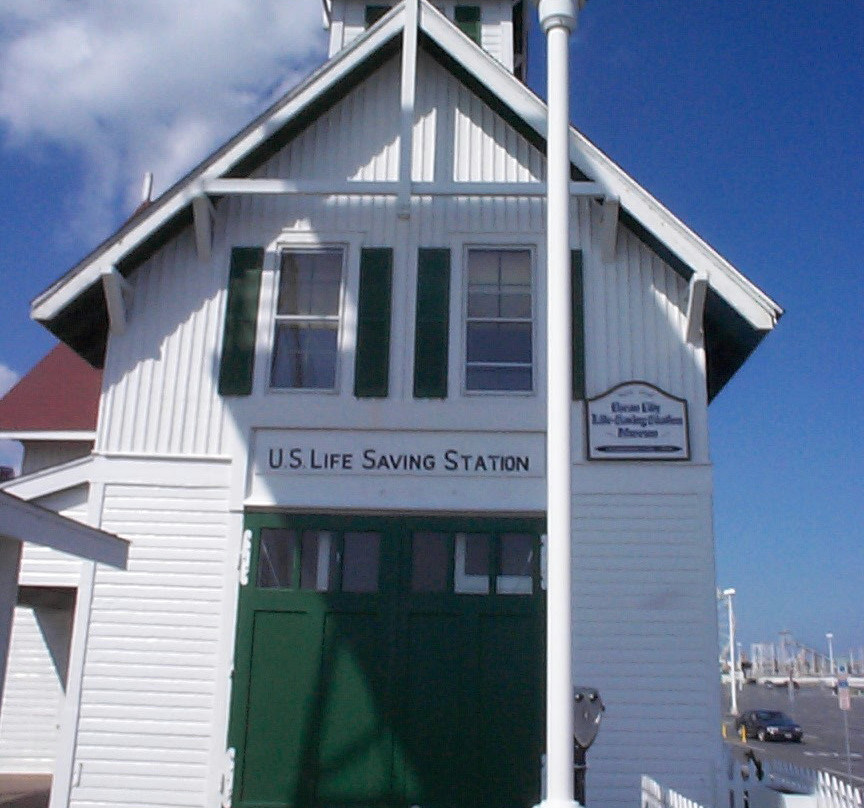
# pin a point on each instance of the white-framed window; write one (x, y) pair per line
(307, 318)
(499, 325)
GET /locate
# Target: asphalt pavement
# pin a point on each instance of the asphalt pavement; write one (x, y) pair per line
(816, 710)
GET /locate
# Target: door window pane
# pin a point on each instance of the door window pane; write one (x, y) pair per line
(430, 562)
(360, 557)
(317, 557)
(276, 558)
(471, 564)
(516, 564)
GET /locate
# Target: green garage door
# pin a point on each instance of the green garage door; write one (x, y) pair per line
(389, 662)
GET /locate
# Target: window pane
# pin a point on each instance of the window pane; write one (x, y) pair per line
(499, 342)
(471, 565)
(430, 562)
(499, 329)
(360, 562)
(498, 378)
(516, 564)
(317, 572)
(517, 553)
(276, 558)
(304, 356)
(309, 283)
(477, 554)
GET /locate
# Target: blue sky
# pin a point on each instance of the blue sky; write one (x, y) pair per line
(744, 118)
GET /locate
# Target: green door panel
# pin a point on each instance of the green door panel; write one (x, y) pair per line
(348, 699)
(437, 745)
(281, 721)
(509, 709)
(355, 747)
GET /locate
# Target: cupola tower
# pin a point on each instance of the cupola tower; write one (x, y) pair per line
(497, 26)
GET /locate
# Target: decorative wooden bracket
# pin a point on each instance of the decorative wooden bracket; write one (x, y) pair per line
(118, 295)
(203, 214)
(609, 229)
(696, 306)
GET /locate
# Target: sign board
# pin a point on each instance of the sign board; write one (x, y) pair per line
(398, 454)
(843, 697)
(637, 421)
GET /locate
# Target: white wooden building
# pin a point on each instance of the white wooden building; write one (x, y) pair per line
(321, 428)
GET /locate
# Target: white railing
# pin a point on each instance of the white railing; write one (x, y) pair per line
(787, 785)
(656, 796)
(832, 792)
(781, 785)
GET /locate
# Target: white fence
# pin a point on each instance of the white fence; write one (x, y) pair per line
(765, 784)
(656, 796)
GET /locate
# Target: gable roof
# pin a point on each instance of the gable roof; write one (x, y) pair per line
(737, 313)
(60, 394)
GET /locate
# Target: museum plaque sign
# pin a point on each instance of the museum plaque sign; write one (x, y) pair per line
(637, 421)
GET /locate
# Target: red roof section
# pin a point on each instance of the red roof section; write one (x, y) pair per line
(60, 393)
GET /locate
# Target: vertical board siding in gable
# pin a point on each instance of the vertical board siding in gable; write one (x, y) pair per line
(149, 681)
(643, 590)
(487, 149)
(358, 138)
(160, 376)
(635, 315)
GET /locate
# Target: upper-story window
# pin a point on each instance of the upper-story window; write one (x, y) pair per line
(306, 339)
(499, 328)
(467, 19)
(375, 13)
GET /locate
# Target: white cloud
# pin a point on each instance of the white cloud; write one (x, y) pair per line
(8, 379)
(10, 451)
(145, 85)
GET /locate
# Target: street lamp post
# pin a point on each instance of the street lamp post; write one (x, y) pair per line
(733, 708)
(830, 637)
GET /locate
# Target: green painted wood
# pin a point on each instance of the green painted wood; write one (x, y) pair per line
(354, 753)
(577, 297)
(467, 19)
(432, 328)
(237, 365)
(372, 362)
(375, 13)
(393, 698)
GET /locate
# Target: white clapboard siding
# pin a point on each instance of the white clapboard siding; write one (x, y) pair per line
(150, 682)
(33, 693)
(42, 566)
(644, 631)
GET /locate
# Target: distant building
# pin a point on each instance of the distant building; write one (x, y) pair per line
(321, 427)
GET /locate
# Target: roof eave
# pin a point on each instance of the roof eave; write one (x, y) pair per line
(48, 305)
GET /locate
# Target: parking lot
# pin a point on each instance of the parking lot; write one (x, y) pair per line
(817, 711)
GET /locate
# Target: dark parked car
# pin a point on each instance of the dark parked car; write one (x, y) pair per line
(769, 725)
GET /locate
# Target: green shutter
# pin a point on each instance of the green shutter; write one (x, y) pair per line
(578, 323)
(432, 327)
(241, 315)
(372, 366)
(467, 19)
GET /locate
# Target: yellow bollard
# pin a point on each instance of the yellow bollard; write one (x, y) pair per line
(723, 731)
(743, 734)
